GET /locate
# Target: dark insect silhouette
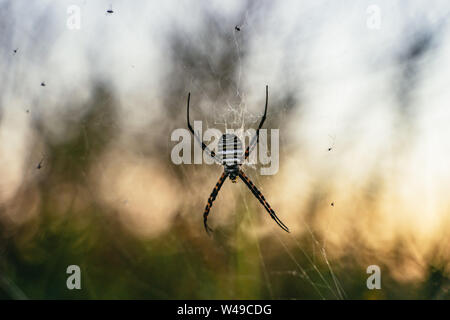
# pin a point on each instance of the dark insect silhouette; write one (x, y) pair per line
(110, 10)
(333, 139)
(237, 28)
(231, 155)
(332, 204)
(39, 166)
(15, 51)
(42, 84)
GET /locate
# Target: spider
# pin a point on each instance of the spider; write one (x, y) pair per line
(231, 156)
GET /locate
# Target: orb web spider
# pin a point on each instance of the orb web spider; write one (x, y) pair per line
(230, 156)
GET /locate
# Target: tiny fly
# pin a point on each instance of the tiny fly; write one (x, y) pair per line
(39, 166)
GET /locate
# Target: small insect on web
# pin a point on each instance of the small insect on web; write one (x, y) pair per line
(231, 155)
(39, 166)
(333, 140)
(110, 10)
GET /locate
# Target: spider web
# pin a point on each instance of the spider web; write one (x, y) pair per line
(308, 272)
(309, 266)
(305, 268)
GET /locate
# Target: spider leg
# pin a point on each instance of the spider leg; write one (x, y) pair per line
(261, 199)
(255, 139)
(212, 154)
(211, 199)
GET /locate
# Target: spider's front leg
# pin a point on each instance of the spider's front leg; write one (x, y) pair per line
(205, 148)
(211, 199)
(255, 139)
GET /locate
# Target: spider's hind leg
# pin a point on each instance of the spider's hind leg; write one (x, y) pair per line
(262, 200)
(211, 199)
(207, 228)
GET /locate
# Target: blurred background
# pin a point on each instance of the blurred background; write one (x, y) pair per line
(358, 90)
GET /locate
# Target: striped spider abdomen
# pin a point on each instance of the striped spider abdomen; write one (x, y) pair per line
(231, 153)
